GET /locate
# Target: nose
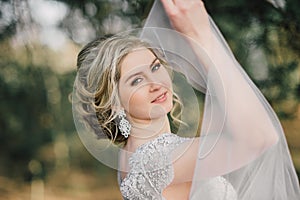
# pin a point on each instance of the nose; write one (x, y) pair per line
(154, 87)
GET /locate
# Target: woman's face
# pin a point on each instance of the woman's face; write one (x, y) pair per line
(145, 87)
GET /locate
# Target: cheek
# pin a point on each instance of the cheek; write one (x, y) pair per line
(138, 103)
(124, 95)
(135, 101)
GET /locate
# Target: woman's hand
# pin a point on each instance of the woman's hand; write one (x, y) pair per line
(190, 18)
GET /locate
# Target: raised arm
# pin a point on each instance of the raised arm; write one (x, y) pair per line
(237, 126)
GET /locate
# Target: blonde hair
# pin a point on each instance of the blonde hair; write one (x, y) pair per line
(96, 84)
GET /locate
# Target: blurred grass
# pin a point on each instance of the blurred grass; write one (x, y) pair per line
(73, 185)
(65, 183)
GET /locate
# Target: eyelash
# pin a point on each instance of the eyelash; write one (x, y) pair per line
(153, 69)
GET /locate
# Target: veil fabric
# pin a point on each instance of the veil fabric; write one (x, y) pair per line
(240, 136)
(237, 119)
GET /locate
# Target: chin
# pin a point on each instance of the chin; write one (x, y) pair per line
(162, 111)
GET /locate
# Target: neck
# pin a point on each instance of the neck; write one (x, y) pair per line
(147, 130)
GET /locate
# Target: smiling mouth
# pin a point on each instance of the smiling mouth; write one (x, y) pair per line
(161, 98)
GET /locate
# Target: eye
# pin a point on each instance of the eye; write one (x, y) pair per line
(156, 67)
(136, 81)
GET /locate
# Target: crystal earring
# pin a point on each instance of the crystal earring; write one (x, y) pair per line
(124, 124)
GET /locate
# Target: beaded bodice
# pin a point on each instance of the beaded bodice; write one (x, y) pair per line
(151, 169)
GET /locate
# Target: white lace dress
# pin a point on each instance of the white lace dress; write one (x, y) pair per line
(151, 171)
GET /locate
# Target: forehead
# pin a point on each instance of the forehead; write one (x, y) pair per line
(138, 58)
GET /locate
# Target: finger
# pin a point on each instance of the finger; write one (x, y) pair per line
(185, 2)
(169, 6)
(199, 2)
(179, 2)
(187, 5)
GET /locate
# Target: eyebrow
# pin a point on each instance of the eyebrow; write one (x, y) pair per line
(132, 75)
(153, 62)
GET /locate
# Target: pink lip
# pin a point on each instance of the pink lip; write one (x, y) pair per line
(161, 98)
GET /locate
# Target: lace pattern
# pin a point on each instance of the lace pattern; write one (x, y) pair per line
(150, 168)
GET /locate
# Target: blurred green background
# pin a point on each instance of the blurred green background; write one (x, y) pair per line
(41, 155)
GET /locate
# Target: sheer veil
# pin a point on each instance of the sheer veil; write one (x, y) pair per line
(236, 121)
(234, 109)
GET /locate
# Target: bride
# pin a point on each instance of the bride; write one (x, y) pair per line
(124, 91)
